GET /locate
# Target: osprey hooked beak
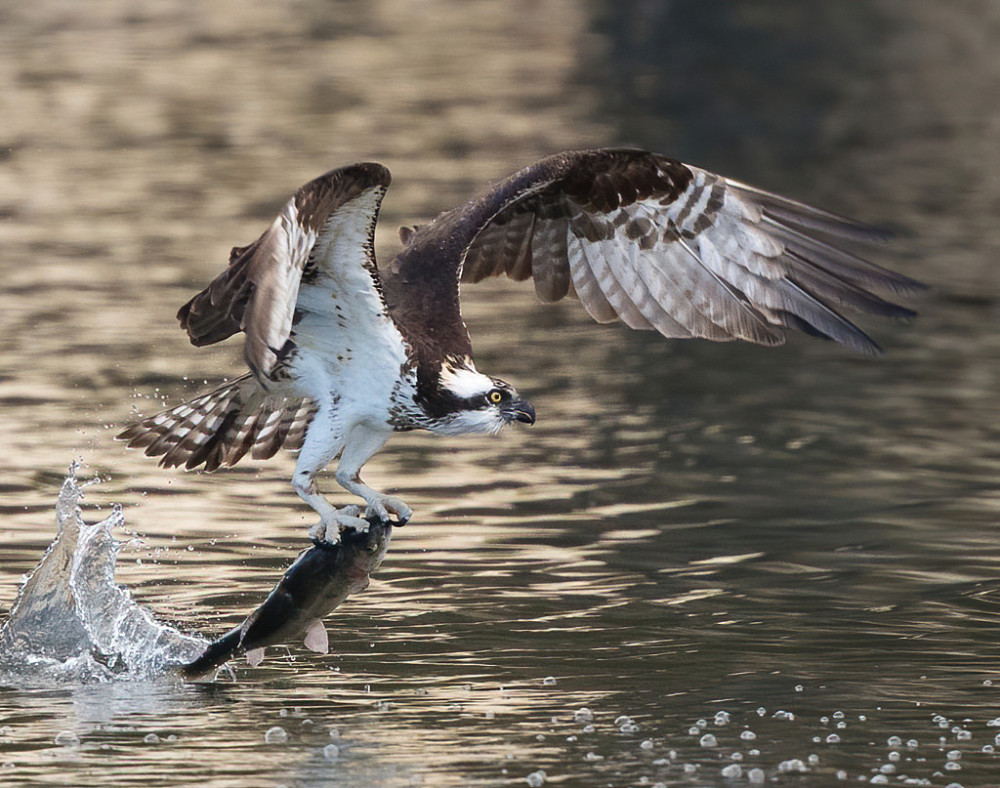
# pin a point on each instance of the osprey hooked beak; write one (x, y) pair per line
(520, 410)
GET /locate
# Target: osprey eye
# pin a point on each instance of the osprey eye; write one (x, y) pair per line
(495, 396)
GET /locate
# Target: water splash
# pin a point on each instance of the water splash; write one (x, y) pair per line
(72, 622)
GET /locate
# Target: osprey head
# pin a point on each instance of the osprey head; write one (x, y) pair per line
(469, 401)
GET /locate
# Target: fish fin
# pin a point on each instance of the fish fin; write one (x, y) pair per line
(316, 638)
(255, 656)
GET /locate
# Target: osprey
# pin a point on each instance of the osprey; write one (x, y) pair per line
(342, 353)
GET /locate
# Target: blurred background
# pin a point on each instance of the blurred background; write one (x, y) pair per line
(689, 529)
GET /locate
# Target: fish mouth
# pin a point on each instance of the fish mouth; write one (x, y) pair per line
(520, 410)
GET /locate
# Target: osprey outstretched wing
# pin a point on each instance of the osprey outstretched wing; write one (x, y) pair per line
(343, 355)
(657, 244)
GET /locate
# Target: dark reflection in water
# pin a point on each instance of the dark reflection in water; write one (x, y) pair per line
(689, 529)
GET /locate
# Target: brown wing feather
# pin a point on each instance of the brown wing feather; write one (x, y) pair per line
(654, 242)
(257, 292)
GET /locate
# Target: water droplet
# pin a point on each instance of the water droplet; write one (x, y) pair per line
(151, 738)
(755, 776)
(549, 681)
(583, 715)
(894, 741)
(535, 779)
(833, 738)
(335, 734)
(748, 735)
(331, 752)
(732, 770)
(792, 765)
(276, 735)
(721, 718)
(647, 744)
(67, 739)
(708, 740)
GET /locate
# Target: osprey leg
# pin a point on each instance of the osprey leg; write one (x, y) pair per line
(321, 446)
(362, 442)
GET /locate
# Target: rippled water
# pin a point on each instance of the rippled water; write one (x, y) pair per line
(689, 529)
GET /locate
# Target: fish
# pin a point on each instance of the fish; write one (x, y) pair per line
(316, 583)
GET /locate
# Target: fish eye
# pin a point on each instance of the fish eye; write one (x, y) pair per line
(495, 396)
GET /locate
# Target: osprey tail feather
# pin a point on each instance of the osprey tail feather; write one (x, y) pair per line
(222, 426)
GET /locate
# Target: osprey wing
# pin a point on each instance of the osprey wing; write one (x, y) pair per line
(326, 229)
(662, 245)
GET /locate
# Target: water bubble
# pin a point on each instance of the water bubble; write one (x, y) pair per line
(708, 740)
(838, 715)
(702, 723)
(963, 735)
(535, 779)
(629, 728)
(736, 756)
(912, 743)
(953, 766)
(761, 711)
(894, 741)
(721, 718)
(833, 738)
(824, 720)
(694, 730)
(690, 768)
(549, 681)
(588, 729)
(647, 744)
(893, 756)
(331, 752)
(841, 774)
(623, 720)
(953, 755)
(583, 715)
(748, 735)
(783, 715)
(792, 765)
(989, 748)
(887, 768)
(756, 776)
(879, 779)
(813, 759)
(334, 734)
(593, 756)
(276, 735)
(151, 738)
(732, 770)
(67, 739)
(798, 688)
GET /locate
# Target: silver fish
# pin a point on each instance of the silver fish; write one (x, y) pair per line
(320, 579)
